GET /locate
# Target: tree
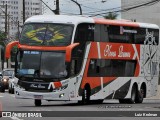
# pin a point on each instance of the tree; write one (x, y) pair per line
(111, 15)
(2, 38)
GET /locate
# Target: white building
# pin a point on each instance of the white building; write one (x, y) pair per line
(149, 13)
(15, 13)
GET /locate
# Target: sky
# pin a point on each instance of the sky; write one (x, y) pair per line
(94, 8)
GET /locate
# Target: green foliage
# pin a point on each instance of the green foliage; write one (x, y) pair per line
(111, 16)
(2, 38)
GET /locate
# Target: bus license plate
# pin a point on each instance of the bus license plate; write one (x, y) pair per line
(38, 97)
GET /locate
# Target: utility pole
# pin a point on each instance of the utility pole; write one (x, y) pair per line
(24, 11)
(6, 19)
(8, 25)
(79, 5)
(18, 30)
(56, 11)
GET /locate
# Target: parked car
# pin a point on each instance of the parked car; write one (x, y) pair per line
(7, 75)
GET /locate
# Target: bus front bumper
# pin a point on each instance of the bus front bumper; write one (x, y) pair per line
(55, 96)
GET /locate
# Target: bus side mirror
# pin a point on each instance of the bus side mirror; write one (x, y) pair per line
(69, 51)
(9, 48)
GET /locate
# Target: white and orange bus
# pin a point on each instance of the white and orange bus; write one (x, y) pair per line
(86, 59)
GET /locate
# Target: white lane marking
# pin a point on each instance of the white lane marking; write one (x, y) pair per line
(1, 96)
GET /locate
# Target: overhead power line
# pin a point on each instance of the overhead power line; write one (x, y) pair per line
(129, 8)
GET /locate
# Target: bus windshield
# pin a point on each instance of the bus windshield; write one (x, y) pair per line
(42, 64)
(39, 34)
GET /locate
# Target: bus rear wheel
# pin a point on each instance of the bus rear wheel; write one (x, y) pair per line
(140, 95)
(123, 101)
(133, 95)
(37, 102)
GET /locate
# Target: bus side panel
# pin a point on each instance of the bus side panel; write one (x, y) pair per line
(150, 68)
(104, 85)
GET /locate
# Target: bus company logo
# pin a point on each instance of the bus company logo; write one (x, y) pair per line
(37, 86)
(121, 53)
(108, 52)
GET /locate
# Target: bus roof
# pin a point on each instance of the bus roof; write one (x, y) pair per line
(66, 19)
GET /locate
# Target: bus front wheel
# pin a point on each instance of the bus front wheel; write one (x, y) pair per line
(37, 102)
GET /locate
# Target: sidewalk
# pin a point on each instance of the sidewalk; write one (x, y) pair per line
(158, 94)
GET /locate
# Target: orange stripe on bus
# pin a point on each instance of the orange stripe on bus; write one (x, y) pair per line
(115, 22)
(68, 49)
(42, 48)
(57, 84)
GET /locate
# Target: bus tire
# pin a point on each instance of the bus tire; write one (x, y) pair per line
(12, 91)
(9, 90)
(133, 95)
(123, 100)
(140, 95)
(2, 90)
(99, 101)
(37, 102)
(86, 95)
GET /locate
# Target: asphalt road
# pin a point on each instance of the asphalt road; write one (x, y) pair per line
(110, 107)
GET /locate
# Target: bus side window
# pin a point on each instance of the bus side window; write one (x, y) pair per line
(101, 33)
(111, 68)
(130, 68)
(104, 33)
(84, 34)
(140, 36)
(121, 34)
(97, 33)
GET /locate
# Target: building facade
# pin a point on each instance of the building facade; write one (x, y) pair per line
(147, 13)
(15, 14)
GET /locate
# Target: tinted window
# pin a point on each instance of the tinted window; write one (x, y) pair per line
(111, 68)
(101, 33)
(123, 34)
(139, 38)
(84, 33)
